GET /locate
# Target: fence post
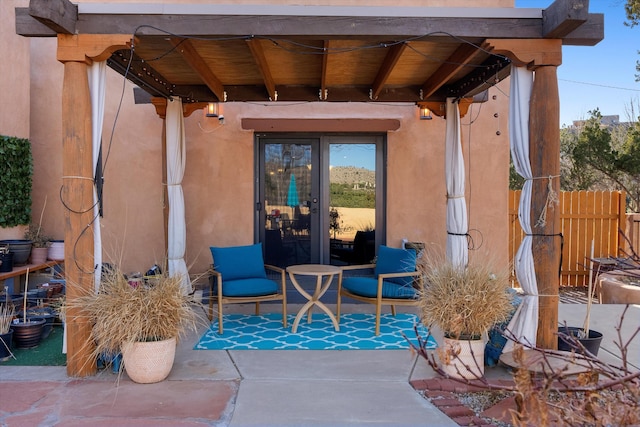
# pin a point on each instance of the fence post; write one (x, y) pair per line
(622, 222)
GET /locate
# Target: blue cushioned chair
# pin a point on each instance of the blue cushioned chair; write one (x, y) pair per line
(240, 276)
(395, 281)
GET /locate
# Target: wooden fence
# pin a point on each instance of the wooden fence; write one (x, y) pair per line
(585, 216)
(633, 235)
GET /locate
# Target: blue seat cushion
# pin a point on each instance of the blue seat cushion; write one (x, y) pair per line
(248, 287)
(396, 260)
(239, 262)
(368, 287)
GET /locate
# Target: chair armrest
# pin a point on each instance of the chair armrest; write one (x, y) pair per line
(417, 281)
(402, 274)
(358, 267)
(274, 268)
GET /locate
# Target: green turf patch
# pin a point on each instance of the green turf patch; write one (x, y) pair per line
(47, 353)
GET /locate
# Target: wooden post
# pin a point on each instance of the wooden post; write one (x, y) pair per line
(622, 225)
(161, 110)
(544, 154)
(77, 195)
(75, 51)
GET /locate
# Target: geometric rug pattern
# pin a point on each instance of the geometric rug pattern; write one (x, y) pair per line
(265, 332)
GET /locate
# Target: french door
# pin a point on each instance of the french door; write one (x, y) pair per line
(315, 193)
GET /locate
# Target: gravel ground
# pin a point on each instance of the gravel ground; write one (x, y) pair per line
(480, 401)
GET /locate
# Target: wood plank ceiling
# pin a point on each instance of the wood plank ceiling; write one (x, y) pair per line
(211, 53)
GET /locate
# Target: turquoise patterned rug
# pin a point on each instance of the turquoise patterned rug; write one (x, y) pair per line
(265, 332)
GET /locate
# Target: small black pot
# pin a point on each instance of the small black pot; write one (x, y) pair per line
(590, 343)
(6, 262)
(6, 345)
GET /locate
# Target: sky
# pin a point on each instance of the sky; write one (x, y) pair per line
(600, 76)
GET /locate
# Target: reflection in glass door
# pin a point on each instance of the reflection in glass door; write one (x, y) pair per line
(352, 203)
(290, 201)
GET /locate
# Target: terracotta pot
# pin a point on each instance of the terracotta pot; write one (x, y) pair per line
(614, 290)
(463, 358)
(39, 255)
(149, 362)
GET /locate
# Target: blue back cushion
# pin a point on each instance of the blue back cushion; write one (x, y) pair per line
(239, 262)
(395, 260)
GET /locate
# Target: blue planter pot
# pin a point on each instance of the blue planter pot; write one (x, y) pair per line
(21, 250)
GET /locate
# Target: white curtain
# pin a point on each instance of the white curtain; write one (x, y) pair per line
(524, 325)
(176, 159)
(457, 225)
(97, 82)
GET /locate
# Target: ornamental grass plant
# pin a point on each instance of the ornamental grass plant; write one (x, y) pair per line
(7, 313)
(463, 301)
(121, 313)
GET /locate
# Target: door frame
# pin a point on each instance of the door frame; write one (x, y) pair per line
(322, 220)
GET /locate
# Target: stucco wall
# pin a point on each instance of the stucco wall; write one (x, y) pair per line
(14, 87)
(219, 181)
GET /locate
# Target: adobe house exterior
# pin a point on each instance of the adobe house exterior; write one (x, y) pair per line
(222, 171)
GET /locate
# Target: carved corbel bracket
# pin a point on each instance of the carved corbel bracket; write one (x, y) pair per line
(532, 53)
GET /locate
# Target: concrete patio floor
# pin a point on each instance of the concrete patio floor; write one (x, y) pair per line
(262, 388)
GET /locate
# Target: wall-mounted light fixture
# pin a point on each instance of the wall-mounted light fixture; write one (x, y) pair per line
(425, 113)
(212, 110)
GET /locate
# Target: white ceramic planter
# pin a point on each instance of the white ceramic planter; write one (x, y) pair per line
(56, 250)
(149, 362)
(462, 358)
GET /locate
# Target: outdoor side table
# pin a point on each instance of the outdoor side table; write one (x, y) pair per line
(324, 276)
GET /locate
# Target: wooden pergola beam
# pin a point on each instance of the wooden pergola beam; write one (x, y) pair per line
(325, 67)
(281, 20)
(263, 66)
(193, 58)
(562, 17)
(59, 15)
(391, 59)
(457, 60)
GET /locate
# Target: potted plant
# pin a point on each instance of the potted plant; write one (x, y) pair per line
(27, 331)
(40, 243)
(141, 322)
(582, 339)
(464, 302)
(7, 313)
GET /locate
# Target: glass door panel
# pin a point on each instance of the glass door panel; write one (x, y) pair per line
(352, 203)
(289, 202)
(319, 199)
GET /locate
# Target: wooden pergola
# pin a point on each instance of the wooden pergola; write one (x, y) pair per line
(223, 53)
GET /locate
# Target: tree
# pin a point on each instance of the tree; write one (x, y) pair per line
(598, 161)
(632, 9)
